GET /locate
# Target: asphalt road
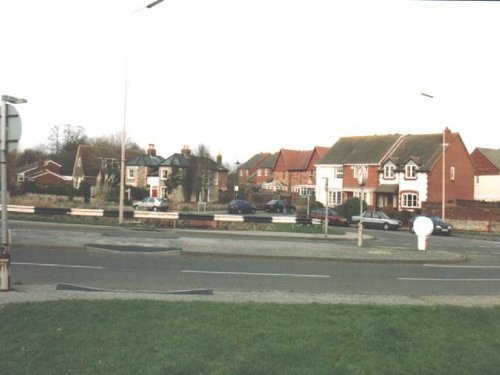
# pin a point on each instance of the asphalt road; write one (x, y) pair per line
(52, 254)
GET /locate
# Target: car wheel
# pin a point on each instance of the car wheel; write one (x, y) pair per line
(386, 226)
(155, 208)
(291, 210)
(253, 210)
(239, 210)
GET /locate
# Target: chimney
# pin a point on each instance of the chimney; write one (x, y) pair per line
(186, 151)
(151, 150)
(447, 135)
(219, 160)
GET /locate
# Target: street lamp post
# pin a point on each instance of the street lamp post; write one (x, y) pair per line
(4, 254)
(443, 175)
(326, 206)
(123, 132)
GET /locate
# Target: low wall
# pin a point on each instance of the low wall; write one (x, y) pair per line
(468, 215)
(200, 219)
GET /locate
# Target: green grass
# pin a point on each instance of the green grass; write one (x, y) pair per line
(151, 337)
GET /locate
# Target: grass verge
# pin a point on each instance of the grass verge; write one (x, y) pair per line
(152, 337)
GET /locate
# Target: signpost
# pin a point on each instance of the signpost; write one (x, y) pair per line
(362, 178)
(10, 133)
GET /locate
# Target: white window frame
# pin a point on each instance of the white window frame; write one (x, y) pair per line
(334, 197)
(410, 172)
(389, 171)
(409, 200)
(130, 173)
(452, 173)
(339, 173)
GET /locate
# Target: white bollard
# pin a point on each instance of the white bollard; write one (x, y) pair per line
(4, 272)
(423, 227)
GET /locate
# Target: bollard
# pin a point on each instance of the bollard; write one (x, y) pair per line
(423, 227)
(4, 272)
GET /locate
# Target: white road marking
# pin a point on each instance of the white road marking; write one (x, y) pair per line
(435, 279)
(458, 266)
(56, 265)
(257, 274)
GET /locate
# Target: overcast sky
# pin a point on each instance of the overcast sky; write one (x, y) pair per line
(251, 76)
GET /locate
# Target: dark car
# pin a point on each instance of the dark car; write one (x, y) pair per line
(151, 204)
(334, 218)
(280, 206)
(240, 206)
(440, 227)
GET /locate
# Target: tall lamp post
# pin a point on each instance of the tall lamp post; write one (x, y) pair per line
(326, 206)
(123, 132)
(4, 147)
(443, 176)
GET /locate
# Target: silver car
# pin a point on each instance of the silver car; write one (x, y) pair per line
(377, 219)
(151, 204)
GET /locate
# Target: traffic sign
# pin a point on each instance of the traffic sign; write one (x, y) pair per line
(13, 129)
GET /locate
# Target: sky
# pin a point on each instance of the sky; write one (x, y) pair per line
(249, 76)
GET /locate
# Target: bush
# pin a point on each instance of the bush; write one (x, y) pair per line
(350, 208)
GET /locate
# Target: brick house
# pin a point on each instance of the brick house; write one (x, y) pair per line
(256, 170)
(486, 164)
(43, 172)
(415, 171)
(140, 168)
(93, 164)
(341, 165)
(215, 177)
(296, 170)
(403, 170)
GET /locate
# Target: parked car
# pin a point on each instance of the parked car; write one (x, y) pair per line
(440, 227)
(334, 218)
(280, 205)
(377, 219)
(151, 204)
(240, 206)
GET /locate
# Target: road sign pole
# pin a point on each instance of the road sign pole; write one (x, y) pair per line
(4, 145)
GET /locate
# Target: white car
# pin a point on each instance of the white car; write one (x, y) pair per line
(151, 204)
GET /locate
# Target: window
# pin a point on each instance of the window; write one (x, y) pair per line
(411, 172)
(452, 173)
(334, 198)
(389, 171)
(339, 172)
(130, 173)
(164, 174)
(410, 200)
(20, 177)
(266, 172)
(259, 172)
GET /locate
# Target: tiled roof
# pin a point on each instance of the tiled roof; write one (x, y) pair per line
(250, 163)
(176, 160)
(424, 149)
(146, 161)
(360, 150)
(492, 155)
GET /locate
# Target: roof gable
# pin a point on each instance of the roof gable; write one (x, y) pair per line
(492, 155)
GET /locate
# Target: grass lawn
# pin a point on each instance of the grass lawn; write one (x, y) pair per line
(152, 337)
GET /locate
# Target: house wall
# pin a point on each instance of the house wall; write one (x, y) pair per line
(417, 186)
(352, 187)
(335, 184)
(462, 186)
(487, 188)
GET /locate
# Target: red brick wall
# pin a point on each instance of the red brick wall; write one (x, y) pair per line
(462, 187)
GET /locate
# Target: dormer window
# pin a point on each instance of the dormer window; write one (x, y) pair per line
(411, 172)
(389, 171)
